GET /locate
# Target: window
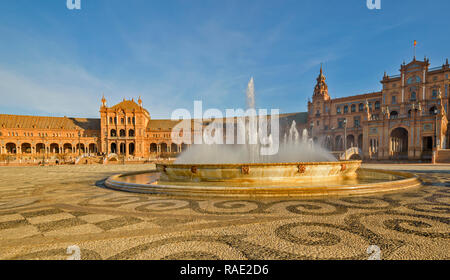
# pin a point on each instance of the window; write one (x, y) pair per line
(353, 108)
(413, 96)
(377, 105)
(413, 80)
(345, 109)
(122, 121)
(394, 99)
(361, 107)
(357, 122)
(341, 123)
(434, 94)
(338, 109)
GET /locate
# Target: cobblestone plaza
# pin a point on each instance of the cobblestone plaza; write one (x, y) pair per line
(44, 210)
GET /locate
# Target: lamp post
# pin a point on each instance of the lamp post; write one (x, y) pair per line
(345, 138)
(435, 127)
(79, 143)
(45, 149)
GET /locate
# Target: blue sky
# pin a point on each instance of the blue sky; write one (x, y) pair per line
(56, 62)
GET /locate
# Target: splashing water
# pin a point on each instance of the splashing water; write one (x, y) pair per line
(292, 149)
(251, 94)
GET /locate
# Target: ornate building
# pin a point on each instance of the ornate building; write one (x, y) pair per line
(407, 119)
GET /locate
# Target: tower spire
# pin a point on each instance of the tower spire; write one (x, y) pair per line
(321, 88)
(103, 101)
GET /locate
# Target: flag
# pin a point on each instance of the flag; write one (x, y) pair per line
(415, 43)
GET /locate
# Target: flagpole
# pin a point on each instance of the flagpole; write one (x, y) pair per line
(415, 43)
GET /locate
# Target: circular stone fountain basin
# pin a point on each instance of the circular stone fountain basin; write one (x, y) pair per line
(204, 181)
(258, 172)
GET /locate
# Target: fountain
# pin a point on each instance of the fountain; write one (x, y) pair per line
(300, 168)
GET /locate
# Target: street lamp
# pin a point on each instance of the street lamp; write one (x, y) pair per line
(345, 138)
(79, 144)
(45, 148)
(435, 127)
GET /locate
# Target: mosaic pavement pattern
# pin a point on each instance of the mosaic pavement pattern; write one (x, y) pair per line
(44, 210)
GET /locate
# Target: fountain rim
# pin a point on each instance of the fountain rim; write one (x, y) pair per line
(408, 181)
(188, 165)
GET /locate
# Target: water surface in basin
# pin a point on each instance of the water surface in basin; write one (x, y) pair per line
(363, 177)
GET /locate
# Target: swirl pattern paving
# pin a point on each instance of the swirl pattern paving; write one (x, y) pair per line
(38, 204)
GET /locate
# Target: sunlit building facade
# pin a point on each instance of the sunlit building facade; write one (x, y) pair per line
(407, 119)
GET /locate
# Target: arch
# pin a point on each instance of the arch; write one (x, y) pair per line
(164, 148)
(123, 148)
(153, 148)
(394, 115)
(67, 148)
(40, 148)
(184, 147)
(111, 157)
(131, 149)
(433, 111)
(360, 141)
(26, 148)
(399, 143)
(352, 153)
(122, 133)
(92, 148)
(174, 148)
(113, 148)
(338, 143)
(131, 133)
(11, 148)
(113, 133)
(327, 143)
(350, 141)
(54, 148)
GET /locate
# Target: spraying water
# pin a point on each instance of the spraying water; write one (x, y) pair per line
(251, 94)
(292, 149)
